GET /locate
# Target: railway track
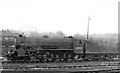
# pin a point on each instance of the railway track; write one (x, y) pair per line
(71, 67)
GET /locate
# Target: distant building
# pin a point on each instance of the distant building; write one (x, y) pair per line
(7, 38)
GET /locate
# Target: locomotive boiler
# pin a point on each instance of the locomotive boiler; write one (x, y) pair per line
(47, 43)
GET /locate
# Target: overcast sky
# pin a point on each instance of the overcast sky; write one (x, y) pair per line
(69, 16)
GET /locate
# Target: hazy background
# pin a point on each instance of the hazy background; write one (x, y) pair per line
(68, 16)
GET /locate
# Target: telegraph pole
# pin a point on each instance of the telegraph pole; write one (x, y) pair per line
(84, 45)
(88, 28)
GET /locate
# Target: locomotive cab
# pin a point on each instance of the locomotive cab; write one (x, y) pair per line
(78, 46)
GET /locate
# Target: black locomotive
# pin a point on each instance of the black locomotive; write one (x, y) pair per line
(47, 49)
(44, 49)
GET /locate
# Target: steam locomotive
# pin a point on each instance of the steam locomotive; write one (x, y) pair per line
(43, 49)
